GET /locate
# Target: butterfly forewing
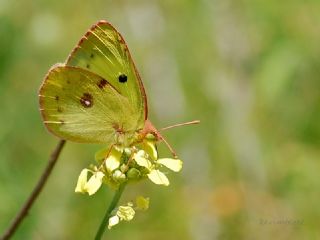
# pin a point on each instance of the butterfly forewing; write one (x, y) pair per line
(103, 51)
(81, 106)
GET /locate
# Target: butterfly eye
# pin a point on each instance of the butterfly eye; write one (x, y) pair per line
(123, 78)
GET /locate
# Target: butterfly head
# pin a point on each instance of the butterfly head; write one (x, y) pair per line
(149, 132)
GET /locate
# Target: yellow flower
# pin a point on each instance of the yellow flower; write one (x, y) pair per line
(141, 159)
(113, 221)
(158, 177)
(112, 162)
(124, 213)
(90, 186)
(142, 203)
(150, 148)
(173, 164)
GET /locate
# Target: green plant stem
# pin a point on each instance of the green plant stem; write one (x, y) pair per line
(107, 215)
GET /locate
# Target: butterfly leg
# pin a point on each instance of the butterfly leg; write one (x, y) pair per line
(149, 128)
(130, 159)
(168, 145)
(107, 155)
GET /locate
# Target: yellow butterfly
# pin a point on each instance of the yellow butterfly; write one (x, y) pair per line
(97, 95)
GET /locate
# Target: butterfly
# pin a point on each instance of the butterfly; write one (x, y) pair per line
(97, 95)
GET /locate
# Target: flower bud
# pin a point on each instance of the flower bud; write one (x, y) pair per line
(133, 173)
(123, 168)
(128, 151)
(125, 213)
(118, 176)
(150, 136)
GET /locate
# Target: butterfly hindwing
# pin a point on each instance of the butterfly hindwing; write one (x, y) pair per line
(103, 51)
(81, 106)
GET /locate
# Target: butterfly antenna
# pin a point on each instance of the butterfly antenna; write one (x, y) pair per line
(149, 128)
(180, 124)
(173, 126)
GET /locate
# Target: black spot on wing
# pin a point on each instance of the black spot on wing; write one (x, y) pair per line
(86, 100)
(123, 78)
(102, 83)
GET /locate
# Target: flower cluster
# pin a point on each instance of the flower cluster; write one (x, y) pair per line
(118, 165)
(126, 213)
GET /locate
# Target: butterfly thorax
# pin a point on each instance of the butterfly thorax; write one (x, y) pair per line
(127, 138)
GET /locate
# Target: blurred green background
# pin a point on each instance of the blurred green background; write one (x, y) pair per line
(249, 70)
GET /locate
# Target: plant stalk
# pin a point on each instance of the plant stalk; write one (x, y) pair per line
(112, 206)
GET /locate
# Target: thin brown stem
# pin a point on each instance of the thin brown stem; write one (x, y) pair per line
(35, 193)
